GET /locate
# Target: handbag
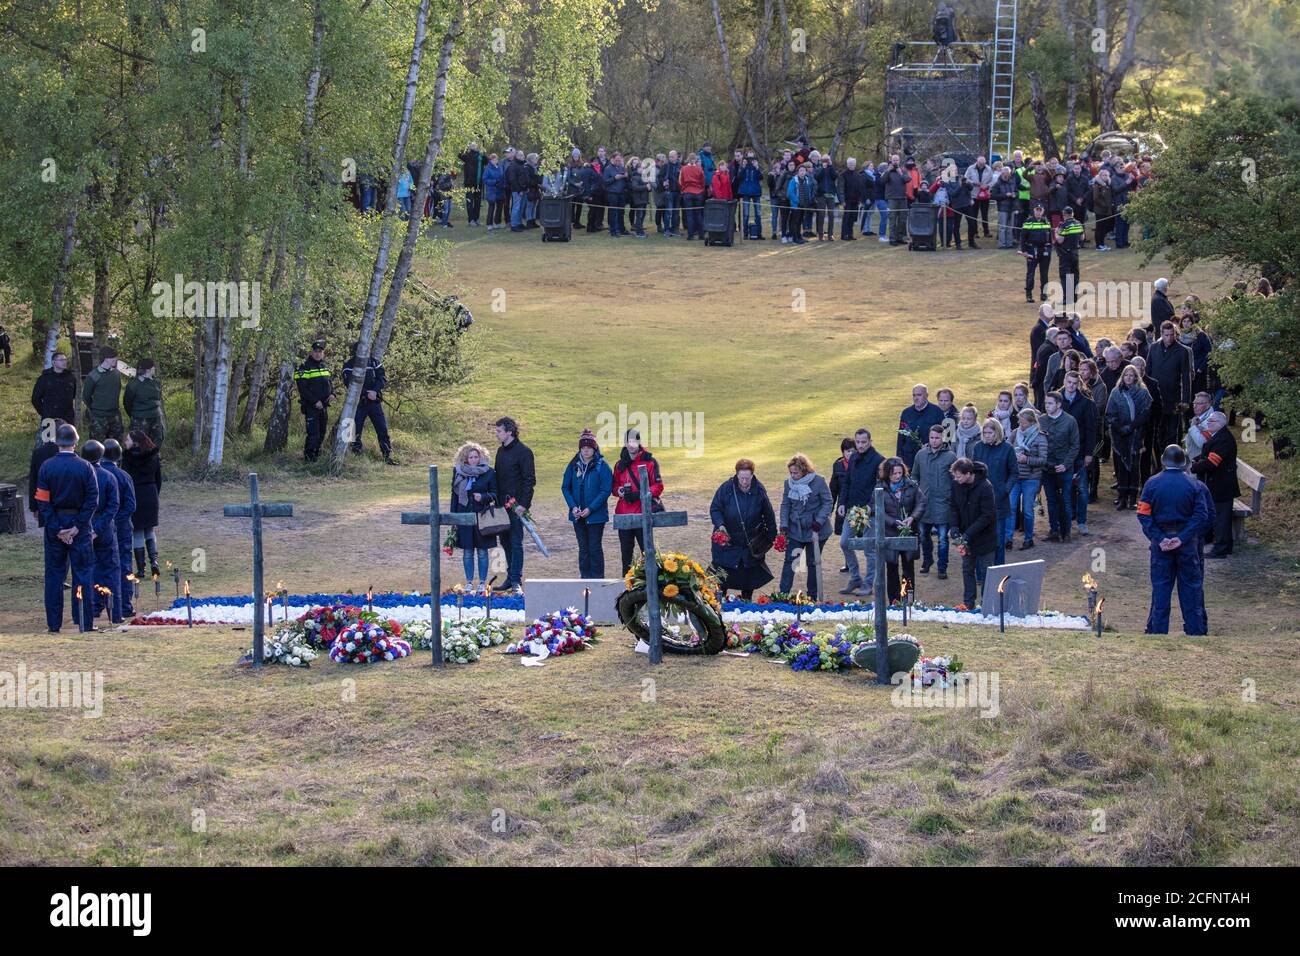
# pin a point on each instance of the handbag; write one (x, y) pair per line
(493, 520)
(756, 552)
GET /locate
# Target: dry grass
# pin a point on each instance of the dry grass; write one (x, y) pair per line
(735, 760)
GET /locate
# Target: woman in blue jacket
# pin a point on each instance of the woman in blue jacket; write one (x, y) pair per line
(473, 488)
(587, 484)
(494, 191)
(994, 451)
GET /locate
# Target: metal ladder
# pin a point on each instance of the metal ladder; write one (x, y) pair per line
(1004, 79)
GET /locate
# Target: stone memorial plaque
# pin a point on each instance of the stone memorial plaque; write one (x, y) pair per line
(1023, 592)
(544, 595)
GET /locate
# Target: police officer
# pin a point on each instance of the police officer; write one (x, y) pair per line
(1036, 247)
(67, 494)
(125, 510)
(1068, 236)
(108, 570)
(314, 389)
(1175, 515)
(371, 404)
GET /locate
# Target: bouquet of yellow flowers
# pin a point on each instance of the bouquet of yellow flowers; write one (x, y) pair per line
(678, 573)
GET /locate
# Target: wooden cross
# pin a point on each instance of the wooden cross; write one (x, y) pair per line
(257, 510)
(435, 519)
(647, 521)
(884, 550)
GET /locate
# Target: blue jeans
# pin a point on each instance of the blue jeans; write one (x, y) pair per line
(516, 210)
(672, 204)
(405, 203)
(1024, 495)
(591, 548)
(748, 203)
(1121, 229)
(927, 546)
(1057, 486)
(445, 219)
(467, 556)
(530, 209)
(1081, 499)
(1000, 553)
(776, 216)
(616, 215)
(693, 206)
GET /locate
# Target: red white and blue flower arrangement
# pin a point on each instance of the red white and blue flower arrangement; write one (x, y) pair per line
(799, 647)
(560, 632)
(368, 642)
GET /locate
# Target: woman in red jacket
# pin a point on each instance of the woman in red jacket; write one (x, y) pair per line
(692, 190)
(632, 461)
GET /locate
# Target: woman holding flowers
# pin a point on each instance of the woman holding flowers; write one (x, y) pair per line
(903, 500)
(586, 486)
(473, 488)
(744, 527)
(633, 460)
(805, 513)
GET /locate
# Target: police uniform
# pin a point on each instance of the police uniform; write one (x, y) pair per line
(67, 495)
(1171, 506)
(108, 567)
(375, 381)
(1036, 245)
(125, 509)
(313, 380)
(1067, 250)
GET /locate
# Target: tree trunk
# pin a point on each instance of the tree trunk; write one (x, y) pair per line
(61, 286)
(257, 382)
(741, 107)
(799, 117)
(438, 128)
(1112, 77)
(340, 447)
(277, 428)
(1072, 86)
(1042, 122)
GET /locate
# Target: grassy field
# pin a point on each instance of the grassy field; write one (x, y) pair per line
(568, 760)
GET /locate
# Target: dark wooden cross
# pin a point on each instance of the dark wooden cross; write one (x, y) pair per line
(884, 549)
(435, 519)
(647, 521)
(257, 510)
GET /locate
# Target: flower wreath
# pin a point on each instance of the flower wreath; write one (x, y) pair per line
(690, 588)
(321, 625)
(363, 642)
(776, 638)
(289, 647)
(461, 640)
(560, 632)
(904, 650)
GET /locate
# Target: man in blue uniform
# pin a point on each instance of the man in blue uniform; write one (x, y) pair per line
(1174, 516)
(108, 569)
(125, 509)
(67, 495)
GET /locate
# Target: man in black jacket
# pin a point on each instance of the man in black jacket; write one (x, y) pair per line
(314, 391)
(857, 489)
(43, 453)
(1217, 467)
(1084, 411)
(1162, 310)
(974, 516)
(472, 163)
(1042, 325)
(371, 403)
(516, 478)
(54, 396)
(852, 190)
(1169, 362)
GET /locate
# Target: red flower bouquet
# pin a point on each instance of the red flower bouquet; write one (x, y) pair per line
(779, 543)
(721, 538)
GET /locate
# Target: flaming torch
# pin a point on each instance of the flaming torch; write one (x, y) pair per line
(798, 608)
(157, 586)
(108, 600)
(79, 610)
(1002, 604)
(176, 577)
(283, 591)
(270, 611)
(487, 593)
(903, 595)
(586, 602)
(189, 604)
(1097, 617)
(370, 599)
(460, 602)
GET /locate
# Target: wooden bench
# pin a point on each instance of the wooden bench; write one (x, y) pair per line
(1253, 481)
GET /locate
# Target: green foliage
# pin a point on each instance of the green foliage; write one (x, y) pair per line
(1260, 352)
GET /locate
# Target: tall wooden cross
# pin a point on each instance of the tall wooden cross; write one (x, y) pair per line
(435, 519)
(884, 550)
(257, 510)
(647, 521)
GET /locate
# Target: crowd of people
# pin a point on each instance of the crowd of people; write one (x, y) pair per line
(801, 195)
(957, 473)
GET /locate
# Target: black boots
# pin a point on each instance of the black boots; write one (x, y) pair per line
(139, 563)
(152, 546)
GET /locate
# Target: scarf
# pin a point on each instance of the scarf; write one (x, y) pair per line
(463, 479)
(896, 486)
(1126, 393)
(1025, 437)
(965, 436)
(797, 489)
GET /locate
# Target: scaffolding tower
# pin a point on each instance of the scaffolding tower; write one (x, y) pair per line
(937, 107)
